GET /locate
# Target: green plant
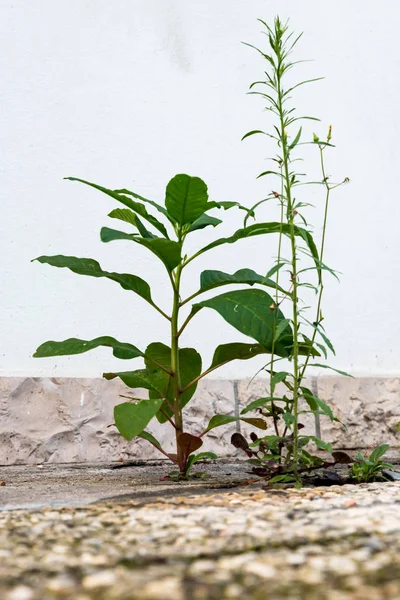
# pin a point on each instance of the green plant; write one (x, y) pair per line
(171, 373)
(284, 452)
(368, 469)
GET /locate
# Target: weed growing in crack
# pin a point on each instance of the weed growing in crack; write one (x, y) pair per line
(282, 456)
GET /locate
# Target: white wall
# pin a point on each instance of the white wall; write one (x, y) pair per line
(130, 93)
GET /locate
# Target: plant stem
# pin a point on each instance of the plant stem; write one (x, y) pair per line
(321, 255)
(175, 366)
(290, 219)
(160, 310)
(276, 308)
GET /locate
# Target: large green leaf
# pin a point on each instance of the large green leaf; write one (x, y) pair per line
(219, 420)
(248, 311)
(76, 346)
(90, 267)
(186, 198)
(189, 366)
(137, 207)
(211, 279)
(167, 251)
(132, 418)
(110, 235)
(262, 229)
(204, 221)
(236, 351)
(317, 405)
(149, 378)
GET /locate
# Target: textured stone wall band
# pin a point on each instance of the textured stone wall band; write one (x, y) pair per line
(62, 420)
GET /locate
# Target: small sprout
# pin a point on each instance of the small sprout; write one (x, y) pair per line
(315, 138)
(370, 469)
(329, 136)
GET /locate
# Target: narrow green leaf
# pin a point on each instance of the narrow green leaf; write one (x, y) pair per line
(157, 206)
(269, 173)
(77, 346)
(288, 418)
(320, 443)
(302, 83)
(253, 132)
(128, 216)
(306, 348)
(259, 403)
(228, 205)
(331, 369)
(281, 328)
(186, 198)
(253, 209)
(296, 140)
(123, 199)
(378, 452)
(278, 377)
(320, 330)
(326, 340)
(323, 349)
(167, 251)
(91, 268)
(263, 229)
(131, 418)
(317, 404)
(275, 269)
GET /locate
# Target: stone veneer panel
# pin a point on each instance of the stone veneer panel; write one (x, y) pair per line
(369, 406)
(70, 420)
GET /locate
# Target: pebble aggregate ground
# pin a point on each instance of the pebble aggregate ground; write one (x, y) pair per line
(160, 541)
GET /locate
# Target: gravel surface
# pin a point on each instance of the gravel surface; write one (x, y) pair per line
(168, 541)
